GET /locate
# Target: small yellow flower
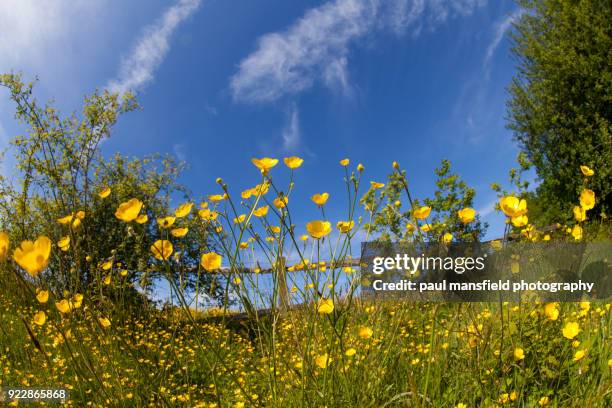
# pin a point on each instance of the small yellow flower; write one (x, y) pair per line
(350, 352)
(345, 162)
(64, 243)
(322, 360)
(210, 261)
(551, 311)
(40, 318)
(579, 213)
(360, 167)
(261, 211)
(325, 306)
(104, 322)
(461, 405)
(129, 210)
(5, 243)
(426, 227)
(447, 238)
(466, 215)
(577, 232)
(519, 354)
(264, 164)
(345, 226)
(375, 185)
(166, 222)
(240, 219)
(162, 249)
(179, 232)
(587, 171)
(142, 218)
(365, 332)
(33, 256)
(512, 206)
(519, 220)
(183, 210)
(63, 306)
(303, 237)
(570, 330)
(65, 220)
(579, 354)
(42, 296)
(105, 192)
(544, 401)
(293, 162)
(217, 197)
(318, 229)
(422, 212)
(280, 201)
(320, 199)
(587, 199)
(208, 215)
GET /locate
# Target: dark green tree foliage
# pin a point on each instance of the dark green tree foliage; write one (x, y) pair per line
(561, 99)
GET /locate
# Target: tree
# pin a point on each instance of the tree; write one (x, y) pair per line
(560, 106)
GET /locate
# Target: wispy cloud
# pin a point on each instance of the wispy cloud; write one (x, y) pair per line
(500, 31)
(316, 47)
(138, 68)
(291, 132)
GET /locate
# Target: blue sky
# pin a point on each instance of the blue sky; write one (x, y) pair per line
(221, 82)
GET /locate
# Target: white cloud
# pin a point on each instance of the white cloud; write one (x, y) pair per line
(291, 132)
(138, 68)
(500, 30)
(316, 46)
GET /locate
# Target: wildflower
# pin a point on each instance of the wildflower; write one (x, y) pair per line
(293, 162)
(577, 232)
(303, 237)
(345, 226)
(466, 215)
(345, 162)
(40, 318)
(322, 360)
(579, 213)
(4, 245)
(210, 261)
(421, 213)
(142, 218)
(33, 256)
(64, 243)
(275, 229)
(179, 232)
(183, 210)
(107, 265)
(129, 210)
(166, 222)
(360, 167)
(208, 215)
(63, 306)
(65, 220)
(42, 296)
(261, 211)
(512, 206)
(571, 330)
(544, 401)
(105, 192)
(426, 227)
(325, 306)
(237, 281)
(447, 238)
(587, 199)
(162, 249)
(104, 322)
(410, 228)
(217, 197)
(318, 229)
(519, 354)
(264, 164)
(350, 352)
(587, 171)
(461, 405)
(519, 220)
(551, 311)
(579, 354)
(280, 201)
(320, 199)
(240, 219)
(376, 185)
(365, 332)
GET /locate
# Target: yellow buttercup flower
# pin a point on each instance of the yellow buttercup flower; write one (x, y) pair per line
(350, 352)
(104, 322)
(579, 213)
(303, 237)
(365, 332)
(280, 201)
(5, 243)
(551, 311)
(261, 211)
(323, 360)
(210, 261)
(544, 401)
(345, 226)
(410, 228)
(519, 354)
(587, 171)
(447, 238)
(570, 330)
(320, 199)
(325, 306)
(142, 218)
(264, 164)
(166, 222)
(422, 212)
(105, 192)
(33, 257)
(360, 167)
(217, 197)
(107, 265)
(426, 227)
(183, 210)
(129, 210)
(42, 296)
(208, 215)
(65, 220)
(587, 199)
(318, 229)
(63, 306)
(345, 162)
(293, 162)
(512, 206)
(162, 249)
(375, 185)
(179, 232)
(240, 219)
(64, 243)
(40, 318)
(577, 232)
(520, 220)
(467, 215)
(579, 355)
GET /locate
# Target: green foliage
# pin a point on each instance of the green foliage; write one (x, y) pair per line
(561, 99)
